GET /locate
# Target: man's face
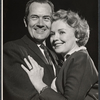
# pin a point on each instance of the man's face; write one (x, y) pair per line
(39, 21)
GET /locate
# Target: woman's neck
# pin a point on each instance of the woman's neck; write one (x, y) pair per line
(75, 48)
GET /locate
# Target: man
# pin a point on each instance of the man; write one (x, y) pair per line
(17, 85)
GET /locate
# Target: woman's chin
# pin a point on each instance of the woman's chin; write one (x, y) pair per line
(58, 51)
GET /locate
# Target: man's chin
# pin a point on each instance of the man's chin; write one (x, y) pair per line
(38, 40)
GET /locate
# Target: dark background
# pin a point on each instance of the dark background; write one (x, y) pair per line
(13, 26)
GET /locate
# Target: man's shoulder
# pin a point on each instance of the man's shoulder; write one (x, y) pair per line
(13, 44)
(15, 48)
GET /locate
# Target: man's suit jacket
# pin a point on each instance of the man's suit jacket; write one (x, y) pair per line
(76, 80)
(17, 85)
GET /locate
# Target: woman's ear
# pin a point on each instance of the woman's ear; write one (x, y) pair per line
(25, 23)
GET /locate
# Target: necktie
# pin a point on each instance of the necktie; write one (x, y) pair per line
(49, 61)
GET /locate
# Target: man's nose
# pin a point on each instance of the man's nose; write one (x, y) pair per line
(40, 23)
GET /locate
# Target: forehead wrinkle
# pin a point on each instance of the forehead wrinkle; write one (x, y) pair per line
(40, 15)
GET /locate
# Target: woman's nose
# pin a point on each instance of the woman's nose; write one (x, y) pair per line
(56, 36)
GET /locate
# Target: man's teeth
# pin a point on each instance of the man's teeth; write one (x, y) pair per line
(39, 30)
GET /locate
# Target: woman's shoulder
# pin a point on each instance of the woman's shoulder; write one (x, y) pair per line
(81, 53)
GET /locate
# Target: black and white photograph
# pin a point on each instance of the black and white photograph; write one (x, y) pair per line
(49, 50)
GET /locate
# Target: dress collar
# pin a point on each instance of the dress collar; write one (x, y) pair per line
(69, 53)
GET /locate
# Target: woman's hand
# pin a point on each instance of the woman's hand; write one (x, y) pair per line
(35, 73)
(53, 85)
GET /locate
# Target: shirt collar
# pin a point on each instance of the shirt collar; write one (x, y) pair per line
(40, 44)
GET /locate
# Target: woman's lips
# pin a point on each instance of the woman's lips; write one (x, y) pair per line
(57, 44)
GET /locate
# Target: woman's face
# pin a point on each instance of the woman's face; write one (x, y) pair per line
(62, 37)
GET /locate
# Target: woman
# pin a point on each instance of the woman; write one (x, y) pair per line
(69, 35)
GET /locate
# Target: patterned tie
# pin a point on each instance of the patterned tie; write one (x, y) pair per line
(49, 61)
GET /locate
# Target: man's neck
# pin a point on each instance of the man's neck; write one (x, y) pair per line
(37, 41)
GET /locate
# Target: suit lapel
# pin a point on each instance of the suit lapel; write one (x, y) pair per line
(37, 51)
(34, 48)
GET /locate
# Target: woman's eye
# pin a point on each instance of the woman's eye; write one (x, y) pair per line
(61, 32)
(51, 33)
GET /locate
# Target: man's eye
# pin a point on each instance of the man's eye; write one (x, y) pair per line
(34, 17)
(47, 18)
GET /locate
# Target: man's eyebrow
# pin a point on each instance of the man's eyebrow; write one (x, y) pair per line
(34, 15)
(47, 16)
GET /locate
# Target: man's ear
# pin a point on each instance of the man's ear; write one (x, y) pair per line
(24, 19)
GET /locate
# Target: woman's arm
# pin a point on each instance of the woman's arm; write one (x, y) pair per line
(35, 72)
